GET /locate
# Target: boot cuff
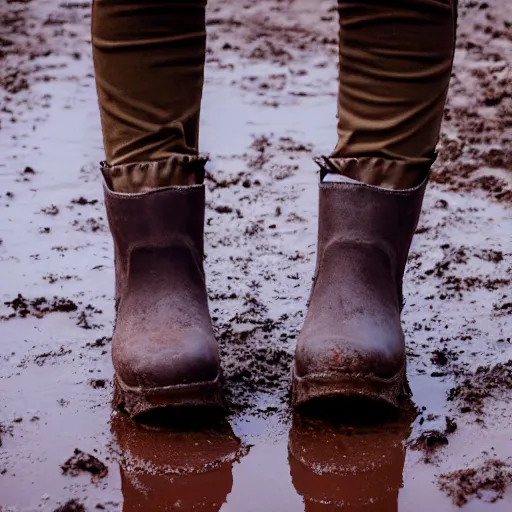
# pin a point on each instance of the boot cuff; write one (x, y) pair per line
(139, 177)
(379, 172)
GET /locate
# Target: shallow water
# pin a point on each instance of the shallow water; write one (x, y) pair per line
(260, 457)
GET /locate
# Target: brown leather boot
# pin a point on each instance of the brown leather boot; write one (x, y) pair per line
(163, 349)
(352, 343)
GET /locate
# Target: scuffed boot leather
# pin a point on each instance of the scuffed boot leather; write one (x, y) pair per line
(163, 349)
(352, 343)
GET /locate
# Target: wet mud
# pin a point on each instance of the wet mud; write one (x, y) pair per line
(488, 482)
(84, 462)
(269, 107)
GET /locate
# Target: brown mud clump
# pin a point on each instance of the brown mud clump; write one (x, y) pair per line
(98, 383)
(83, 201)
(488, 482)
(84, 462)
(3, 431)
(431, 440)
(39, 307)
(487, 382)
(71, 506)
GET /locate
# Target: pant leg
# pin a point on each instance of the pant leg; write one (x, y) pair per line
(395, 64)
(149, 61)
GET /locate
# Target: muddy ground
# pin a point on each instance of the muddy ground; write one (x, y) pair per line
(269, 106)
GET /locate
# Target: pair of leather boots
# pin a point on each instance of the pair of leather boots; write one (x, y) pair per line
(352, 344)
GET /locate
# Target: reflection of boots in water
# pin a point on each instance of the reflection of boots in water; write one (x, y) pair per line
(347, 468)
(186, 467)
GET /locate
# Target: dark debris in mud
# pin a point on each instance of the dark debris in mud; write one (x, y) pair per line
(487, 482)
(53, 278)
(98, 383)
(39, 307)
(50, 210)
(5, 430)
(486, 382)
(451, 425)
(439, 357)
(84, 318)
(453, 286)
(261, 144)
(223, 209)
(40, 359)
(214, 183)
(84, 201)
(99, 342)
(71, 506)
(430, 441)
(252, 362)
(84, 462)
(90, 225)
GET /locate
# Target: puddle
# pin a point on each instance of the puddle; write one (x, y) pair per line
(263, 120)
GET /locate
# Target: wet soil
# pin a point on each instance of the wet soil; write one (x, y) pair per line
(269, 107)
(488, 482)
(81, 462)
(71, 506)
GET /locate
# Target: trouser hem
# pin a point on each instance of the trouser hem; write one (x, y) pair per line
(377, 171)
(136, 177)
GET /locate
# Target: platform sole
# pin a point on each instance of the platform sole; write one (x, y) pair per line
(331, 385)
(139, 400)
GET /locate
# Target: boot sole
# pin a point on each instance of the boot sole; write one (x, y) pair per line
(330, 385)
(138, 400)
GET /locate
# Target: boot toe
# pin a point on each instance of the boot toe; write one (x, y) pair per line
(335, 356)
(189, 358)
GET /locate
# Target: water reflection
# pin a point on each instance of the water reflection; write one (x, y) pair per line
(172, 463)
(349, 463)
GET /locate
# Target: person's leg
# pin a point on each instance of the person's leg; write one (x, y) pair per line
(149, 60)
(395, 65)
